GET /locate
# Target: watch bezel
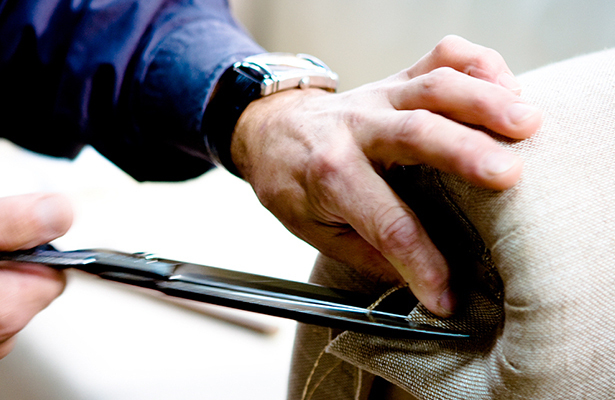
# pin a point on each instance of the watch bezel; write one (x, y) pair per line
(273, 75)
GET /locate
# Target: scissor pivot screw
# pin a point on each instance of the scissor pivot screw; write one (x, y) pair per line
(146, 256)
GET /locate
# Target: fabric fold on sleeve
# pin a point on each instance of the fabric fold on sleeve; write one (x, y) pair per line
(130, 78)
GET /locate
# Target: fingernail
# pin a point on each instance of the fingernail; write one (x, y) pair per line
(509, 82)
(498, 162)
(446, 302)
(519, 112)
(51, 213)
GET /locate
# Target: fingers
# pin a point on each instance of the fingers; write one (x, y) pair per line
(432, 133)
(29, 220)
(469, 58)
(465, 99)
(444, 94)
(375, 212)
(25, 290)
(420, 137)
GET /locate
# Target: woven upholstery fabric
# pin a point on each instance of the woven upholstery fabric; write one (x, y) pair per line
(543, 315)
(317, 374)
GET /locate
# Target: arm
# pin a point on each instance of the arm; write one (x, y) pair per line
(119, 76)
(325, 184)
(129, 77)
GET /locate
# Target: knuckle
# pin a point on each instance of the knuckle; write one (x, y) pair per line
(447, 46)
(466, 146)
(490, 56)
(433, 84)
(478, 59)
(429, 277)
(324, 165)
(483, 102)
(417, 128)
(267, 194)
(280, 199)
(484, 59)
(397, 232)
(325, 175)
(464, 154)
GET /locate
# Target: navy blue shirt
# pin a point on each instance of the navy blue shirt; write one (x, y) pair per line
(129, 77)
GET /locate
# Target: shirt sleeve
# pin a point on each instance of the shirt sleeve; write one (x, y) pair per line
(129, 77)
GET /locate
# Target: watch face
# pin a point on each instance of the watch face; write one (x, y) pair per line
(282, 63)
(288, 62)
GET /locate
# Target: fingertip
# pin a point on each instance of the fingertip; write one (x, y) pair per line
(33, 219)
(532, 125)
(442, 304)
(524, 118)
(55, 215)
(500, 170)
(447, 303)
(430, 283)
(498, 163)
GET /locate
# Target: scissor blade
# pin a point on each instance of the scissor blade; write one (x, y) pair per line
(332, 315)
(299, 301)
(304, 302)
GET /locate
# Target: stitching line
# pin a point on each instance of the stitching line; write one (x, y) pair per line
(358, 379)
(337, 364)
(385, 295)
(309, 379)
(359, 384)
(305, 396)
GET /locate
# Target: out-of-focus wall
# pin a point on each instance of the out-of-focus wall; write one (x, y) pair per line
(365, 40)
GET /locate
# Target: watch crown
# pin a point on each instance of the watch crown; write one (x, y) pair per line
(304, 83)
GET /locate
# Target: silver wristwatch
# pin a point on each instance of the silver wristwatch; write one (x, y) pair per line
(280, 71)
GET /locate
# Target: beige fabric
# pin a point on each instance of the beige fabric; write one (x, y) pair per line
(317, 374)
(552, 240)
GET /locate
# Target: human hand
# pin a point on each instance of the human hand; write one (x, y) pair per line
(25, 289)
(316, 159)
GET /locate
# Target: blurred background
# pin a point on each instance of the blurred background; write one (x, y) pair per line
(101, 341)
(366, 40)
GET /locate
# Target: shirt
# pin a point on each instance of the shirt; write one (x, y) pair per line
(129, 77)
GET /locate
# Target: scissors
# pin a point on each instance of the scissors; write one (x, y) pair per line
(303, 302)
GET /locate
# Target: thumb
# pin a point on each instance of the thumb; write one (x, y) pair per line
(32, 219)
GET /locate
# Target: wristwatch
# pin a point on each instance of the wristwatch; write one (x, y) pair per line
(250, 79)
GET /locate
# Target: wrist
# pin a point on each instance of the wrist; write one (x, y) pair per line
(256, 77)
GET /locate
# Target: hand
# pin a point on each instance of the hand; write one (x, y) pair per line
(316, 159)
(25, 289)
